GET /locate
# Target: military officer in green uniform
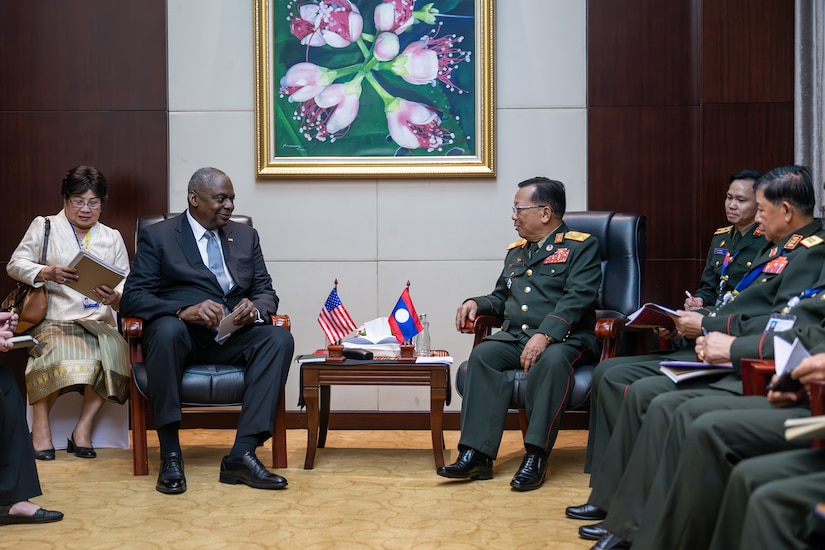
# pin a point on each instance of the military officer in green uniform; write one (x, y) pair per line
(720, 433)
(787, 269)
(732, 251)
(546, 294)
(733, 247)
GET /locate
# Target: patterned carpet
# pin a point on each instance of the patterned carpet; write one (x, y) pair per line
(369, 490)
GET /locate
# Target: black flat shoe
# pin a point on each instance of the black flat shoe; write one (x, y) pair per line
(82, 452)
(171, 480)
(471, 464)
(587, 512)
(40, 516)
(249, 470)
(609, 542)
(530, 474)
(593, 532)
(45, 454)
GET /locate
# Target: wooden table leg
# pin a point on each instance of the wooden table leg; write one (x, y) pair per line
(322, 436)
(311, 401)
(437, 398)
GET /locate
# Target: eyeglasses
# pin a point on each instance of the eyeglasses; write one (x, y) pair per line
(517, 209)
(93, 204)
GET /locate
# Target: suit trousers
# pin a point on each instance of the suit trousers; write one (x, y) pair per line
(638, 439)
(732, 429)
(611, 381)
(265, 350)
(489, 387)
(769, 498)
(18, 472)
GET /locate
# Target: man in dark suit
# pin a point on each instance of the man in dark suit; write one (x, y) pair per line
(546, 294)
(18, 473)
(189, 272)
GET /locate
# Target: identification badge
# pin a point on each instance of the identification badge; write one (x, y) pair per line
(89, 303)
(780, 323)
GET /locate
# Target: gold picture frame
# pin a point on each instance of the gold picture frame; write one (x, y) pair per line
(343, 91)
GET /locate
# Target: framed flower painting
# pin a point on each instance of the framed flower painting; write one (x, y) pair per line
(375, 88)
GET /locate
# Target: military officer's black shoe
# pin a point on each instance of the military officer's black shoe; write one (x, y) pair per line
(470, 464)
(531, 473)
(593, 532)
(171, 480)
(585, 511)
(609, 542)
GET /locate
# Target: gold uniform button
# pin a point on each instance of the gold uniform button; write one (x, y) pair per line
(748, 264)
(524, 307)
(524, 326)
(552, 271)
(512, 273)
(764, 280)
(527, 290)
(717, 263)
(529, 272)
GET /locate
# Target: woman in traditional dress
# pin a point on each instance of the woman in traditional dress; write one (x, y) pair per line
(81, 348)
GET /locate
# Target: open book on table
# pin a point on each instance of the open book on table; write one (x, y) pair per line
(93, 272)
(652, 315)
(679, 371)
(810, 427)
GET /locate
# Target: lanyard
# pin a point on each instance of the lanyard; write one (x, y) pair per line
(754, 273)
(807, 293)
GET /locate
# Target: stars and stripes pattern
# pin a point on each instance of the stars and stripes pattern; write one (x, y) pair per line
(334, 319)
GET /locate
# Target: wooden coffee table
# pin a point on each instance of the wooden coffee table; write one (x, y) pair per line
(317, 379)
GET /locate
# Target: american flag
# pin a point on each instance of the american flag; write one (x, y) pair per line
(334, 319)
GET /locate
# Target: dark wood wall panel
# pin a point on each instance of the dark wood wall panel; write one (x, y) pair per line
(129, 147)
(737, 136)
(727, 63)
(747, 51)
(83, 55)
(83, 82)
(643, 52)
(646, 160)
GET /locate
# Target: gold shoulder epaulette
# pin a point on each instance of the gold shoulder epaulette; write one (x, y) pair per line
(577, 236)
(813, 240)
(520, 242)
(722, 230)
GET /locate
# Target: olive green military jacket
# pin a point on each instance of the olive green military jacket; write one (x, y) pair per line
(730, 257)
(553, 292)
(780, 272)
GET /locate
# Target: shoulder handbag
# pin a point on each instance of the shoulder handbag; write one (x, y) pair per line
(28, 302)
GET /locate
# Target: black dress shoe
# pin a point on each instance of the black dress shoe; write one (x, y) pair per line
(585, 511)
(45, 454)
(251, 471)
(171, 480)
(593, 532)
(82, 452)
(530, 474)
(40, 516)
(610, 541)
(470, 464)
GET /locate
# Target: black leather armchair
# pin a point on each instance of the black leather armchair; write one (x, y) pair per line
(202, 387)
(622, 247)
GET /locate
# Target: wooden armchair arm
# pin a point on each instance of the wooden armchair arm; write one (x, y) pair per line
(756, 373)
(481, 327)
(817, 398)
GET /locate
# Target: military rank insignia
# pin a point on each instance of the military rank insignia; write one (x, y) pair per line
(558, 238)
(558, 257)
(723, 230)
(813, 240)
(793, 241)
(776, 265)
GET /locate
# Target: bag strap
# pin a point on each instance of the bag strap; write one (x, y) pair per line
(45, 241)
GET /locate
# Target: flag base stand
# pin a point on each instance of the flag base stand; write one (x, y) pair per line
(335, 354)
(407, 354)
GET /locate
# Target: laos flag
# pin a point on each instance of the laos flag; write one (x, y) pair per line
(404, 321)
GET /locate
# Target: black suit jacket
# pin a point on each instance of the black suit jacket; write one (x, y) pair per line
(168, 273)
